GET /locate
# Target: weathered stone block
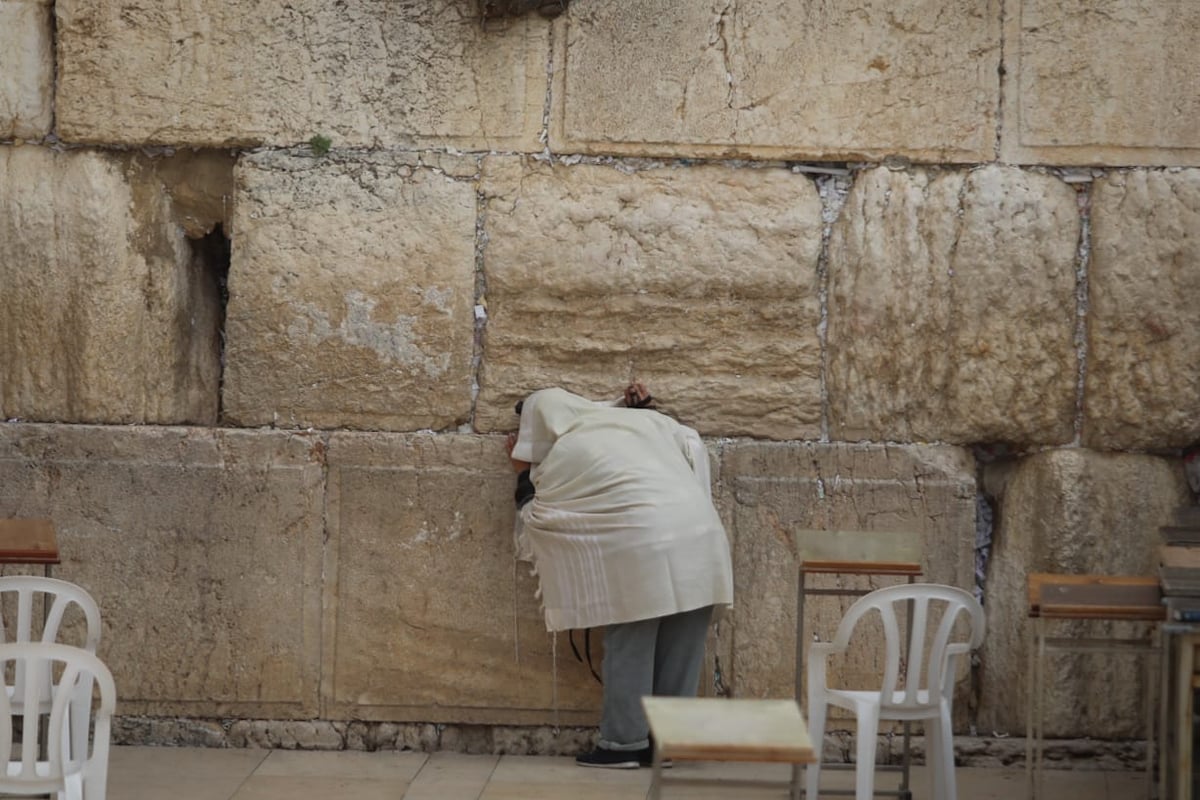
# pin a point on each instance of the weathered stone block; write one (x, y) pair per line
(952, 308)
(428, 616)
(108, 314)
(351, 293)
(771, 490)
(26, 69)
(203, 549)
(235, 72)
(778, 79)
(1072, 511)
(701, 281)
(1142, 389)
(1124, 92)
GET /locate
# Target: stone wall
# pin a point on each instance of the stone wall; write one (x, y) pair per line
(272, 275)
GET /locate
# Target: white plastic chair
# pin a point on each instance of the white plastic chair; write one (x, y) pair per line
(924, 690)
(58, 597)
(68, 772)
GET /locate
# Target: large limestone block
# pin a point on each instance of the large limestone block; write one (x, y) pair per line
(952, 308)
(26, 69)
(203, 549)
(701, 281)
(234, 72)
(1123, 92)
(778, 79)
(1072, 511)
(428, 615)
(1143, 384)
(108, 313)
(351, 292)
(771, 490)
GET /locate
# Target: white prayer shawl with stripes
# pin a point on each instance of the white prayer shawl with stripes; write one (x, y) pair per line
(622, 525)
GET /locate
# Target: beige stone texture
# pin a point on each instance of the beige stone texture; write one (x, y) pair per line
(768, 491)
(236, 72)
(952, 308)
(351, 293)
(778, 79)
(1123, 93)
(428, 615)
(700, 281)
(108, 313)
(1078, 512)
(1142, 389)
(26, 69)
(202, 548)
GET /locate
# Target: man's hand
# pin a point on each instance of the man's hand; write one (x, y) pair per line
(637, 395)
(509, 443)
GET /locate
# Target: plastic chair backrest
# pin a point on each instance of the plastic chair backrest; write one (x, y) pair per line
(935, 611)
(66, 768)
(61, 596)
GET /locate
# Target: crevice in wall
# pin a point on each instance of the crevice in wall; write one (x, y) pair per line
(719, 688)
(212, 254)
(993, 462)
(479, 308)
(54, 70)
(1001, 81)
(833, 191)
(1082, 262)
(544, 135)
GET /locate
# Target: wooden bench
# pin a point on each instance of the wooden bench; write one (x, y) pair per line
(1086, 597)
(720, 729)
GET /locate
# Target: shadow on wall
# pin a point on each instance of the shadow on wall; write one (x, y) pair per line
(494, 9)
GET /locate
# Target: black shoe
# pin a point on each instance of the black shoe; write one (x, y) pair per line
(611, 759)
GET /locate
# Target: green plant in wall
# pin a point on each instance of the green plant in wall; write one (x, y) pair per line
(320, 144)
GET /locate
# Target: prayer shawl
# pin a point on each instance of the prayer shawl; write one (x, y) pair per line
(622, 525)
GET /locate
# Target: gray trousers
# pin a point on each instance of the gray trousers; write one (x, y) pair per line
(660, 656)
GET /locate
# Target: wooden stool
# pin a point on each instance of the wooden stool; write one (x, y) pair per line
(719, 729)
(1085, 597)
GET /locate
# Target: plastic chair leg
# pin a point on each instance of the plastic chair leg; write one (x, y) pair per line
(816, 732)
(945, 785)
(933, 757)
(864, 770)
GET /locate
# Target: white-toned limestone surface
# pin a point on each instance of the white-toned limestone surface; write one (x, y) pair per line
(1072, 511)
(778, 79)
(699, 280)
(427, 615)
(26, 69)
(952, 308)
(232, 72)
(1101, 83)
(108, 313)
(1143, 368)
(351, 292)
(770, 490)
(203, 549)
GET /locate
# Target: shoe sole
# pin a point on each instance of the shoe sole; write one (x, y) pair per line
(614, 765)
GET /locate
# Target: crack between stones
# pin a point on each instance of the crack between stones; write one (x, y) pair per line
(1001, 81)
(1082, 263)
(479, 307)
(722, 42)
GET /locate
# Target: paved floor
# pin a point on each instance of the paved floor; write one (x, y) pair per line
(153, 773)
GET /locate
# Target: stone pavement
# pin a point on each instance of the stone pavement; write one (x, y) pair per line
(155, 773)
